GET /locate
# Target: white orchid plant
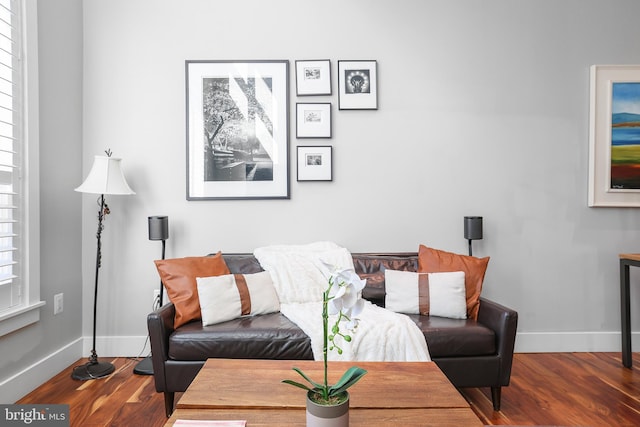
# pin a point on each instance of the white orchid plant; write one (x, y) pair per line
(342, 298)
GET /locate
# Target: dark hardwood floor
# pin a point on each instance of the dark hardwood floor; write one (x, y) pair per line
(564, 389)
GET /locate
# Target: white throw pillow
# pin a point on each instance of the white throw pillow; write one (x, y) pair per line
(231, 296)
(431, 294)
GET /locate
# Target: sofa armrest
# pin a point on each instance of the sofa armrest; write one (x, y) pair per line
(504, 322)
(160, 325)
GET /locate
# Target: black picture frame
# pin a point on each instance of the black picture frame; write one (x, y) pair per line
(357, 85)
(315, 163)
(313, 77)
(237, 115)
(313, 120)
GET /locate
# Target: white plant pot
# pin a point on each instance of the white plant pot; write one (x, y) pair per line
(327, 416)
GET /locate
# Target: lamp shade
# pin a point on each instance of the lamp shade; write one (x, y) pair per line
(158, 227)
(105, 177)
(473, 227)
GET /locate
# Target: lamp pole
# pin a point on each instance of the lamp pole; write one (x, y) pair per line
(95, 368)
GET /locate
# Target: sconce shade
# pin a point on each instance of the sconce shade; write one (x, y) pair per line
(105, 177)
(473, 227)
(158, 227)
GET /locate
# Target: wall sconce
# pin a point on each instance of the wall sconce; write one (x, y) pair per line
(472, 229)
(158, 230)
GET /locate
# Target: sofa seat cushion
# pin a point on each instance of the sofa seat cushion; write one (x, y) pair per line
(268, 336)
(455, 337)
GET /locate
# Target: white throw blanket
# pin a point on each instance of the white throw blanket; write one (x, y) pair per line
(382, 335)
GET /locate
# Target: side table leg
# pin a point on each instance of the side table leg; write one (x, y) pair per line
(625, 310)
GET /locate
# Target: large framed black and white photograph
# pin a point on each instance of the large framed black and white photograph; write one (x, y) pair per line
(357, 85)
(313, 77)
(315, 163)
(313, 120)
(237, 129)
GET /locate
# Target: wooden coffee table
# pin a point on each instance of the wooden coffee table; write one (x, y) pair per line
(391, 393)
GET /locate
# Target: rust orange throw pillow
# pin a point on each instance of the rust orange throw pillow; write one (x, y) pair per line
(179, 278)
(437, 261)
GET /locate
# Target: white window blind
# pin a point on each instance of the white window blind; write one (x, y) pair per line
(11, 149)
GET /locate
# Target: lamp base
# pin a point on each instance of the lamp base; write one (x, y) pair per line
(92, 370)
(144, 367)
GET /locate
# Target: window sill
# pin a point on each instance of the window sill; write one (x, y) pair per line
(19, 318)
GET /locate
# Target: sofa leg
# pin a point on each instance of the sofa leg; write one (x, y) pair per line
(168, 403)
(495, 397)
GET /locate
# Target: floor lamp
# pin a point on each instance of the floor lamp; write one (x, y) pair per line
(472, 229)
(158, 230)
(105, 178)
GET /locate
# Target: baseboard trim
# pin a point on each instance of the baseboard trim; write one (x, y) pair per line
(27, 380)
(552, 342)
(122, 346)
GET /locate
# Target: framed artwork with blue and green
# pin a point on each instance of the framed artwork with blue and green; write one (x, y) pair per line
(625, 135)
(614, 136)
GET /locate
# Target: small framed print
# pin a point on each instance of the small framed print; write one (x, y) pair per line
(315, 163)
(313, 77)
(313, 120)
(357, 85)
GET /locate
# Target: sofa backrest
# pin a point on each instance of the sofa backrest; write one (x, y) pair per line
(242, 263)
(370, 266)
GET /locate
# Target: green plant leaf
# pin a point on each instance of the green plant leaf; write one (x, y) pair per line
(302, 374)
(297, 384)
(348, 379)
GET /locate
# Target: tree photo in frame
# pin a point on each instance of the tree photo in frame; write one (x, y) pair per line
(614, 139)
(357, 85)
(237, 129)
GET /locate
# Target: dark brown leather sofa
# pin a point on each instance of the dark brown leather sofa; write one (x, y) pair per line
(470, 353)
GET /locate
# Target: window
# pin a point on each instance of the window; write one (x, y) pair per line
(19, 287)
(10, 154)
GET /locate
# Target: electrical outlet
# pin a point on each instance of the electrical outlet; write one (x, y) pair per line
(156, 296)
(58, 303)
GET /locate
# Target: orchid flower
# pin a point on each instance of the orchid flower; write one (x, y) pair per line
(344, 293)
(342, 298)
(346, 296)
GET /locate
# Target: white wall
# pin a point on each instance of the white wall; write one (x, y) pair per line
(33, 354)
(483, 110)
